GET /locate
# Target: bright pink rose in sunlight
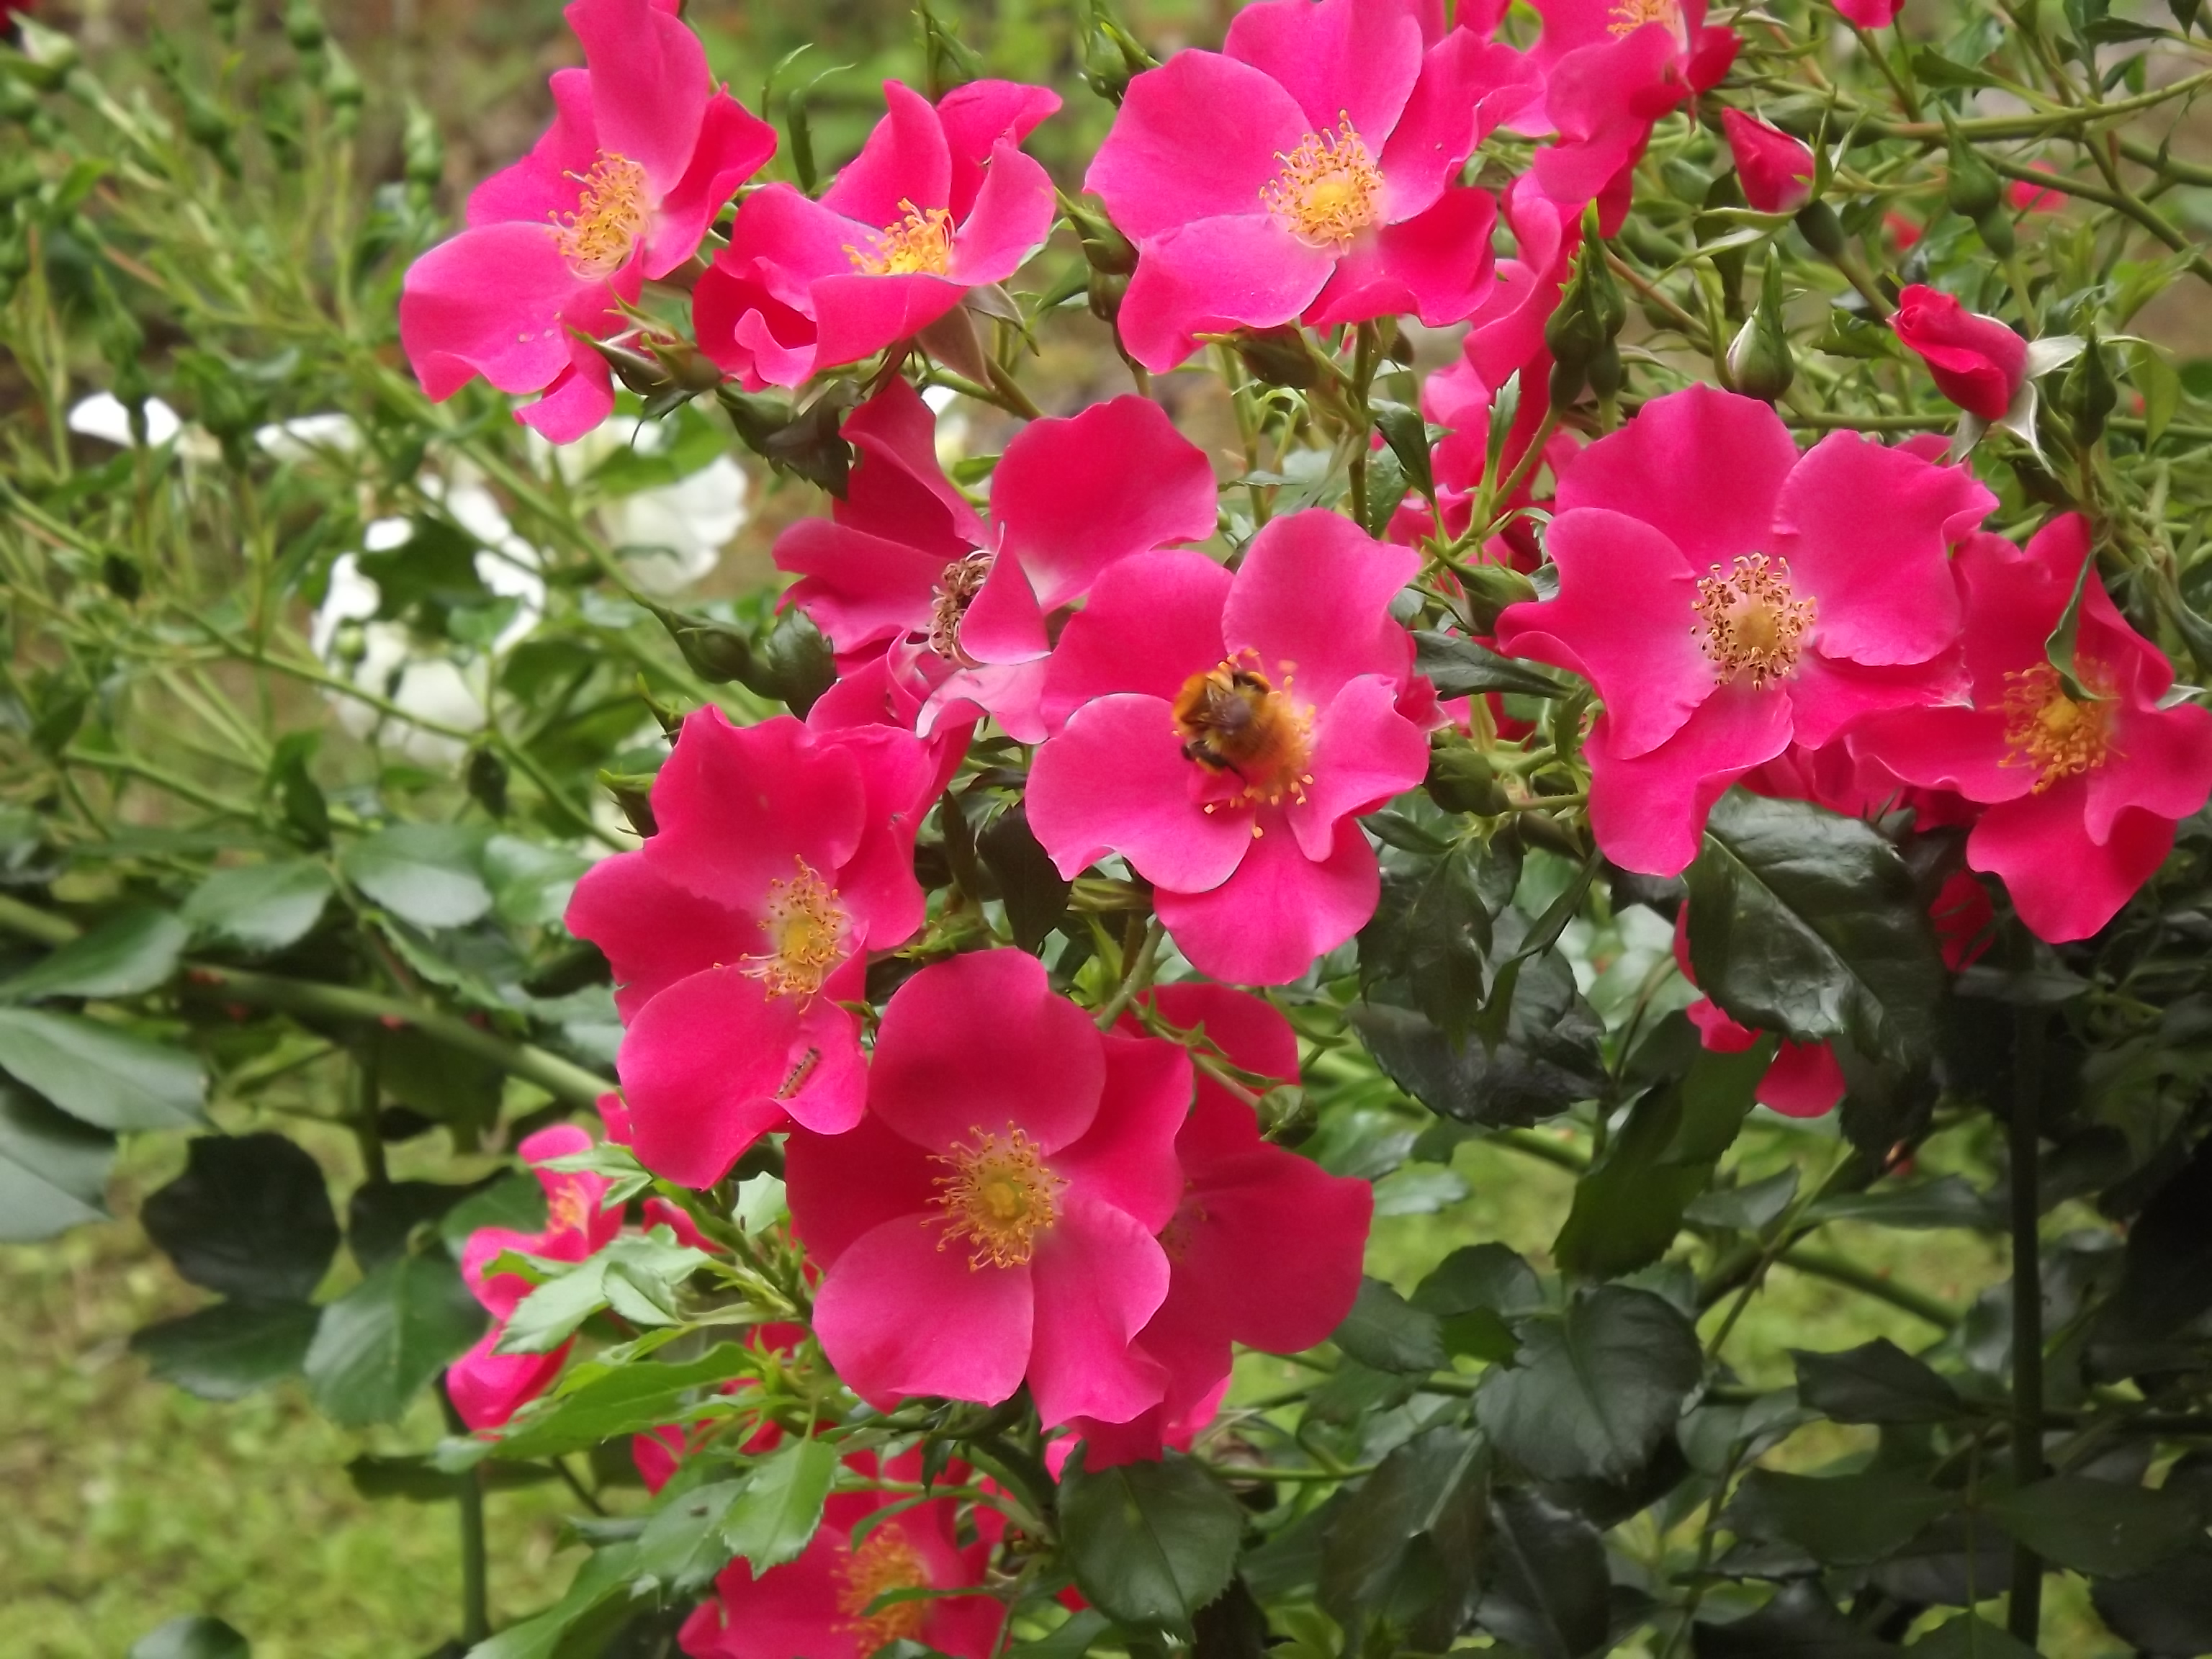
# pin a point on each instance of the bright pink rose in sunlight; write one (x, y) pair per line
(994, 1216)
(1223, 733)
(1266, 1247)
(818, 1605)
(940, 200)
(783, 858)
(904, 569)
(2082, 793)
(487, 1387)
(1774, 169)
(1976, 361)
(1728, 596)
(1306, 171)
(642, 152)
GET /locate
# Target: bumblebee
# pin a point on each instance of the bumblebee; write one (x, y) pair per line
(1233, 719)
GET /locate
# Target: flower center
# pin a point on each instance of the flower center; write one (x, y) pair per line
(956, 586)
(1750, 622)
(921, 242)
(1630, 16)
(2056, 734)
(999, 1197)
(806, 928)
(609, 215)
(1329, 188)
(1233, 719)
(883, 1561)
(567, 1208)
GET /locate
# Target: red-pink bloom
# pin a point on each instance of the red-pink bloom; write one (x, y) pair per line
(905, 570)
(1871, 13)
(642, 152)
(1976, 361)
(1223, 734)
(783, 857)
(1728, 596)
(2027, 197)
(994, 1216)
(938, 201)
(1265, 1249)
(1774, 169)
(818, 1606)
(2082, 793)
(487, 1387)
(1307, 170)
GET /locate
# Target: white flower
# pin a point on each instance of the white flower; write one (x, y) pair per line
(106, 417)
(667, 537)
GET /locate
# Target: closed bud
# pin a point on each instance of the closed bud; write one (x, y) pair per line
(2091, 394)
(1759, 361)
(1970, 184)
(1104, 248)
(1605, 373)
(717, 652)
(304, 27)
(1995, 228)
(1461, 779)
(225, 13)
(1580, 330)
(1823, 232)
(948, 61)
(341, 86)
(1106, 291)
(633, 792)
(423, 150)
(1279, 356)
(1489, 589)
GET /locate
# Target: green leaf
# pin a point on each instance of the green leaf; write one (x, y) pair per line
(598, 1600)
(1844, 1520)
(2166, 1280)
(1549, 1592)
(1751, 1208)
(1932, 69)
(1971, 1637)
(1947, 1201)
(1875, 1382)
(381, 1216)
(2160, 386)
(195, 1637)
(1149, 1543)
(229, 1350)
(635, 1274)
(631, 1398)
(1035, 892)
(1460, 667)
(1407, 434)
(1473, 1293)
(515, 1201)
(683, 1544)
(1432, 930)
(1593, 1392)
(126, 954)
(1808, 923)
(1070, 1640)
(530, 882)
(420, 1480)
(775, 1517)
(425, 874)
(53, 1170)
(1406, 1545)
(2165, 1610)
(250, 1217)
(1385, 1331)
(260, 907)
(101, 1074)
(2097, 1527)
(379, 1344)
(1801, 1622)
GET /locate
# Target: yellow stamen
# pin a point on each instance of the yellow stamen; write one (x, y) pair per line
(806, 928)
(1233, 719)
(921, 242)
(883, 1561)
(1630, 16)
(1000, 1197)
(1750, 622)
(2059, 735)
(958, 584)
(609, 215)
(1329, 188)
(567, 1209)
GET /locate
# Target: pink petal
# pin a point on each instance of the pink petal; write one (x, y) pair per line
(899, 777)
(649, 84)
(1648, 812)
(630, 910)
(1314, 593)
(1827, 699)
(1153, 620)
(1012, 218)
(746, 331)
(1115, 780)
(975, 116)
(858, 589)
(1441, 258)
(1255, 1036)
(790, 1609)
(1961, 749)
(489, 302)
(978, 1042)
(1099, 1276)
(1197, 138)
(487, 1388)
(1071, 496)
(1009, 694)
(1273, 1248)
(1127, 1160)
(1365, 753)
(1804, 1080)
(1466, 84)
(2065, 885)
(1704, 467)
(581, 396)
(906, 160)
(898, 1313)
(1003, 624)
(856, 316)
(733, 145)
(1212, 276)
(2159, 762)
(842, 1185)
(1267, 922)
(795, 240)
(1341, 59)
(545, 182)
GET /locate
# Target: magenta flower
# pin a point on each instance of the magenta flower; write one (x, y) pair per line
(486, 1388)
(1976, 361)
(1774, 169)
(1265, 1249)
(940, 200)
(904, 569)
(783, 858)
(1307, 170)
(994, 1216)
(1223, 732)
(642, 152)
(2082, 794)
(1870, 14)
(1728, 596)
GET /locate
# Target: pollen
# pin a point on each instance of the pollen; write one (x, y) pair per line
(1329, 188)
(1234, 719)
(1000, 1196)
(806, 929)
(1750, 622)
(956, 588)
(921, 243)
(568, 1208)
(2059, 735)
(597, 236)
(882, 1562)
(1630, 16)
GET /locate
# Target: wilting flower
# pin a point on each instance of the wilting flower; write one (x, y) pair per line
(1774, 169)
(487, 1387)
(939, 201)
(1223, 733)
(1727, 596)
(994, 1216)
(904, 568)
(2083, 783)
(1307, 170)
(642, 152)
(1265, 1249)
(870, 1544)
(783, 857)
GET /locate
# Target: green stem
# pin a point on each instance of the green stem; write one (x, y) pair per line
(1842, 1270)
(1137, 980)
(2024, 1608)
(469, 1499)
